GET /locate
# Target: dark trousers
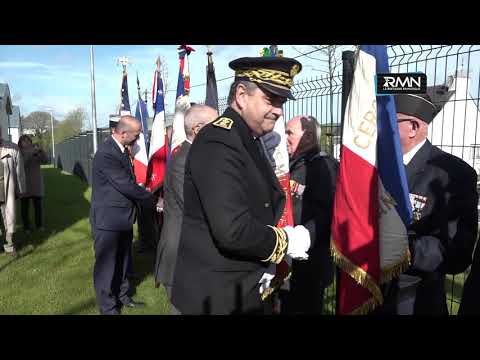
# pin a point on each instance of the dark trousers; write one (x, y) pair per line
(306, 293)
(112, 259)
(146, 228)
(37, 205)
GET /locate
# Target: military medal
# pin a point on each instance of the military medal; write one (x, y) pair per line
(418, 203)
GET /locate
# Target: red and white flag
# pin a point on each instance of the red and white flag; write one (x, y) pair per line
(372, 209)
(139, 149)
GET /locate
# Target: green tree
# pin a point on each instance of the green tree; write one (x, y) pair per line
(38, 124)
(71, 125)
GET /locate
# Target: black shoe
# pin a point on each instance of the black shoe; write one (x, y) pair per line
(112, 312)
(134, 304)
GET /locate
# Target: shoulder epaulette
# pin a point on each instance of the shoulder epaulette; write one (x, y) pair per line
(223, 122)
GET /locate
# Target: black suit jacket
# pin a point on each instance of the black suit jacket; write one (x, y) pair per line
(114, 191)
(447, 225)
(173, 215)
(231, 194)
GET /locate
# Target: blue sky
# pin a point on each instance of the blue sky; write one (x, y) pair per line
(56, 76)
(42, 76)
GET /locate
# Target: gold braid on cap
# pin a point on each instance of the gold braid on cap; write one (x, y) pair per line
(272, 77)
(280, 246)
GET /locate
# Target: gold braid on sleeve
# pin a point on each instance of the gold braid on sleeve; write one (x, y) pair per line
(280, 246)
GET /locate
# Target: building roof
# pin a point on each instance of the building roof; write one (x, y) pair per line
(5, 93)
(3, 89)
(439, 95)
(15, 117)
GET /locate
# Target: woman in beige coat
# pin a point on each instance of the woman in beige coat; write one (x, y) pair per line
(12, 186)
(33, 157)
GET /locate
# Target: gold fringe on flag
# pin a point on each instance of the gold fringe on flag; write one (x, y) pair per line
(366, 308)
(395, 270)
(361, 277)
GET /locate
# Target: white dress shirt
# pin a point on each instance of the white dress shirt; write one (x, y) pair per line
(122, 148)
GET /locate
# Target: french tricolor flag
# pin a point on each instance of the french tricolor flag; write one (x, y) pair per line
(157, 157)
(139, 149)
(372, 208)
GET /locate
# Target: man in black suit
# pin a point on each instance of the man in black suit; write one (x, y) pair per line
(195, 118)
(112, 214)
(444, 202)
(233, 199)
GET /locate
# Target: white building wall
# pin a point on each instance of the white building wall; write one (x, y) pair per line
(456, 129)
(14, 135)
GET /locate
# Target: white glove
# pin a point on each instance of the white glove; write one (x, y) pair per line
(182, 104)
(298, 242)
(267, 278)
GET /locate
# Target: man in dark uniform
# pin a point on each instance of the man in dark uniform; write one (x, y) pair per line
(233, 199)
(444, 202)
(112, 213)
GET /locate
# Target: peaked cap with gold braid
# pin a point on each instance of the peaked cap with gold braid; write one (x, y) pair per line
(273, 74)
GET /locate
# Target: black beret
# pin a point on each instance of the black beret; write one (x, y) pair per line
(420, 106)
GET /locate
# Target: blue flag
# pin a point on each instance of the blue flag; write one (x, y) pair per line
(141, 114)
(390, 159)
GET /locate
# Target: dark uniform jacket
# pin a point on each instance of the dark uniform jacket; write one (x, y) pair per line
(114, 191)
(173, 216)
(445, 200)
(231, 194)
(313, 209)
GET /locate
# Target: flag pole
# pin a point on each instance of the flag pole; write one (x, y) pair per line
(94, 105)
(140, 98)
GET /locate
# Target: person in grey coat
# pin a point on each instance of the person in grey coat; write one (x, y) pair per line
(33, 157)
(195, 118)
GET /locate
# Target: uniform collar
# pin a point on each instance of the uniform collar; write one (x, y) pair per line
(409, 155)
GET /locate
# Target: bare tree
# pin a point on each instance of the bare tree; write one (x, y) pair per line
(329, 58)
(37, 123)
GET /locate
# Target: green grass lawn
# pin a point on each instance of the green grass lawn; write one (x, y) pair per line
(53, 274)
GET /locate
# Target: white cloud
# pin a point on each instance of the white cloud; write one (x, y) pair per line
(22, 65)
